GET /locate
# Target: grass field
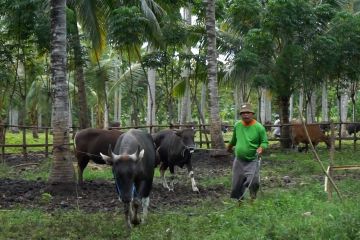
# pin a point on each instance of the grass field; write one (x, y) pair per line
(296, 210)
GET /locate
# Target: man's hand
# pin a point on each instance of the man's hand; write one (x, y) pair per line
(259, 151)
(230, 148)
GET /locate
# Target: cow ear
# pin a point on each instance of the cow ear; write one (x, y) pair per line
(107, 159)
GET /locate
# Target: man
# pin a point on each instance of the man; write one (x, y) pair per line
(250, 140)
(276, 131)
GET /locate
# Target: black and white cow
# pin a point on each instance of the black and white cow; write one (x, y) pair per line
(133, 163)
(174, 148)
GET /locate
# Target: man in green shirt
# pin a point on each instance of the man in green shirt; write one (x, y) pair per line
(249, 138)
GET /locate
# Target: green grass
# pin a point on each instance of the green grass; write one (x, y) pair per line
(17, 138)
(277, 215)
(34, 224)
(221, 180)
(299, 211)
(102, 172)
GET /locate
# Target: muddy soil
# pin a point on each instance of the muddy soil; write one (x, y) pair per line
(100, 195)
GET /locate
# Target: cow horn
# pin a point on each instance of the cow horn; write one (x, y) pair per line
(105, 157)
(115, 156)
(135, 155)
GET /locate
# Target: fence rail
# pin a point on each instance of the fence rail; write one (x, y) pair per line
(203, 136)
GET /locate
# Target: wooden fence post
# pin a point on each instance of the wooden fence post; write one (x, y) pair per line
(3, 147)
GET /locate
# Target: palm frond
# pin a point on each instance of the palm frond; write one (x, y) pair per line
(179, 88)
(92, 18)
(135, 73)
(149, 9)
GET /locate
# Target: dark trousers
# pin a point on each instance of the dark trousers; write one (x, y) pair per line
(245, 174)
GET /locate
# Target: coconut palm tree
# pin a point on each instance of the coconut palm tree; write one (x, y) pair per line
(62, 175)
(217, 140)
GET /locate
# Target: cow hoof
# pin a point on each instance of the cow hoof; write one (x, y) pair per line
(196, 190)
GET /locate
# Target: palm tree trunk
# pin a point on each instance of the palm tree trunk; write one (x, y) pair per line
(268, 110)
(203, 106)
(217, 140)
(118, 94)
(324, 103)
(186, 101)
(80, 82)
(185, 104)
(62, 177)
(237, 98)
(284, 118)
(301, 100)
(265, 106)
(343, 108)
(151, 98)
(14, 119)
(311, 108)
(291, 107)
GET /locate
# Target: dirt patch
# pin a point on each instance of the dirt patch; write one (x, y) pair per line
(101, 195)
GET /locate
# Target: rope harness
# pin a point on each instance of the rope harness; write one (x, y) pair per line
(119, 190)
(89, 154)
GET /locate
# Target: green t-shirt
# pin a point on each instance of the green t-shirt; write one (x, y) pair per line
(247, 139)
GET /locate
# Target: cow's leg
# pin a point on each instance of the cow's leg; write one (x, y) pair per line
(135, 204)
(128, 214)
(172, 177)
(306, 147)
(163, 168)
(144, 192)
(191, 175)
(82, 163)
(145, 207)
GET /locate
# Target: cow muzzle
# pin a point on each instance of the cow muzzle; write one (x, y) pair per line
(191, 149)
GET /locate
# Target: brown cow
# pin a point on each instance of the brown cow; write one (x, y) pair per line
(89, 142)
(316, 135)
